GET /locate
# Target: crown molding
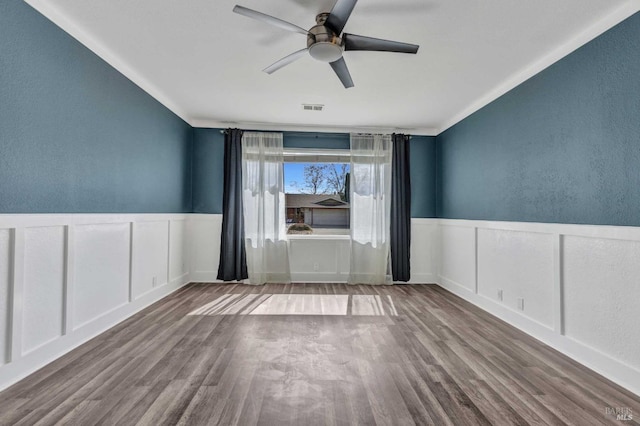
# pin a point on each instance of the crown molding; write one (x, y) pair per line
(49, 11)
(607, 22)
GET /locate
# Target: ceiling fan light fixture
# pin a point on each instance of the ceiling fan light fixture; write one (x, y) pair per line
(326, 42)
(325, 51)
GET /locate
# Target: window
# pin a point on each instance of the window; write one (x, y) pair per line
(317, 191)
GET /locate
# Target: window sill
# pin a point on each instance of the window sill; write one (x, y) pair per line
(318, 237)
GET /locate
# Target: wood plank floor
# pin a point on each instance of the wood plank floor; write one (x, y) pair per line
(436, 360)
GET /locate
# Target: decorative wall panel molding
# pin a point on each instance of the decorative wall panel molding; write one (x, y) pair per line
(66, 278)
(571, 286)
(574, 287)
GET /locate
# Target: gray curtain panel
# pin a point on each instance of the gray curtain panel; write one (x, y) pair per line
(400, 209)
(233, 257)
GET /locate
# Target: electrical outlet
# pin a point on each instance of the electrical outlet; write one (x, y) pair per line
(316, 266)
(521, 303)
(500, 295)
(154, 281)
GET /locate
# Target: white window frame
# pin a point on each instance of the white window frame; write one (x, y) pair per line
(317, 155)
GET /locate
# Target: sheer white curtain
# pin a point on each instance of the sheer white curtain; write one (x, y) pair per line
(264, 208)
(370, 209)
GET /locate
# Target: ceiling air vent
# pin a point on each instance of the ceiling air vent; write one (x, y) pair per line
(312, 107)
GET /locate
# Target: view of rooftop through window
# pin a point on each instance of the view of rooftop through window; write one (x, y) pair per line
(317, 198)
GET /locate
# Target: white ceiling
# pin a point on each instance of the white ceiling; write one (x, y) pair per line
(204, 62)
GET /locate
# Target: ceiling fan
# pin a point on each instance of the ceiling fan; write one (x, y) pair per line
(325, 42)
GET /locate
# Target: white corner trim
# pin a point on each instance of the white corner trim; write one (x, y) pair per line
(47, 9)
(214, 124)
(579, 40)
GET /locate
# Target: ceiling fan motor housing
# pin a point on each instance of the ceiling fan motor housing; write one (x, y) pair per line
(323, 43)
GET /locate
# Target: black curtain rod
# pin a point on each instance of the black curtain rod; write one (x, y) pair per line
(317, 134)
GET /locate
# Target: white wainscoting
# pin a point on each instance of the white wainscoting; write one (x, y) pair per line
(204, 244)
(424, 251)
(66, 278)
(319, 258)
(580, 285)
(330, 259)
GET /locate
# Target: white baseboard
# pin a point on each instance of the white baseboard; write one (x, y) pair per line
(204, 277)
(616, 371)
(421, 278)
(319, 277)
(211, 277)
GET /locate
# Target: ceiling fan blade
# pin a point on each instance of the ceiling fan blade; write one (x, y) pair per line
(285, 61)
(358, 42)
(339, 15)
(340, 68)
(250, 13)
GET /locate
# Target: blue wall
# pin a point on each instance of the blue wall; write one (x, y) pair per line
(76, 135)
(208, 158)
(562, 147)
(208, 170)
(423, 176)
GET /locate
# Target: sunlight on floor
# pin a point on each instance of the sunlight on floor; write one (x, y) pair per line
(299, 304)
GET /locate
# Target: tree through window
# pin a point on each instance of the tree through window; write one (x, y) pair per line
(317, 198)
